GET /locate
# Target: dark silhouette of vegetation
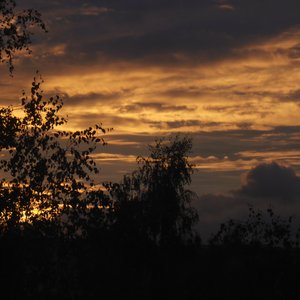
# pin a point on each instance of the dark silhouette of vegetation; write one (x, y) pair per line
(15, 30)
(56, 226)
(154, 199)
(259, 257)
(48, 171)
(61, 237)
(259, 229)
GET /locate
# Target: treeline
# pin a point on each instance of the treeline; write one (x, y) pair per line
(48, 180)
(61, 236)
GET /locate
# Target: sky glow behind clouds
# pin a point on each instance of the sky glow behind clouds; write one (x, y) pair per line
(225, 72)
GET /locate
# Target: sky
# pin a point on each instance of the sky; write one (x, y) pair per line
(226, 73)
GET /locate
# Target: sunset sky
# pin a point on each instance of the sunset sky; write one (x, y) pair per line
(225, 72)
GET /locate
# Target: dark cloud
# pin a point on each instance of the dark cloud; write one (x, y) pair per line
(215, 143)
(254, 94)
(271, 181)
(188, 92)
(162, 107)
(180, 124)
(293, 96)
(233, 141)
(243, 109)
(88, 10)
(286, 129)
(264, 186)
(245, 125)
(214, 209)
(220, 144)
(218, 206)
(226, 108)
(164, 32)
(294, 52)
(108, 120)
(93, 98)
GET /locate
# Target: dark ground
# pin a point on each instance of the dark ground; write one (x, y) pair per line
(103, 267)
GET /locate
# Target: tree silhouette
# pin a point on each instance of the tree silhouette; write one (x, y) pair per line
(15, 30)
(47, 171)
(153, 200)
(258, 229)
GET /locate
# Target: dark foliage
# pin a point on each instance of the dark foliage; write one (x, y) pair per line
(47, 171)
(63, 238)
(16, 30)
(154, 200)
(259, 229)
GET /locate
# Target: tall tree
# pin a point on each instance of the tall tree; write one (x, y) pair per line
(154, 200)
(47, 171)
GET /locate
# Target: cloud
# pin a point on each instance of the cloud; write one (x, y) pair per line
(286, 130)
(156, 106)
(226, 7)
(181, 124)
(244, 109)
(271, 180)
(183, 92)
(110, 157)
(108, 120)
(214, 209)
(266, 185)
(93, 98)
(167, 32)
(94, 10)
(293, 96)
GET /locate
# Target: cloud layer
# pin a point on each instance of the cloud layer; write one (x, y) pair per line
(225, 72)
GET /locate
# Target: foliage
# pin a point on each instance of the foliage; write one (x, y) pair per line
(257, 230)
(48, 171)
(154, 200)
(15, 34)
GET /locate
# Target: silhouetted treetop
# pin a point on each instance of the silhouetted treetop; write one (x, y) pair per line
(154, 200)
(259, 229)
(47, 171)
(15, 30)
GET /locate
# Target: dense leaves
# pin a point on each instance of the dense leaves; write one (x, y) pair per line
(154, 199)
(48, 171)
